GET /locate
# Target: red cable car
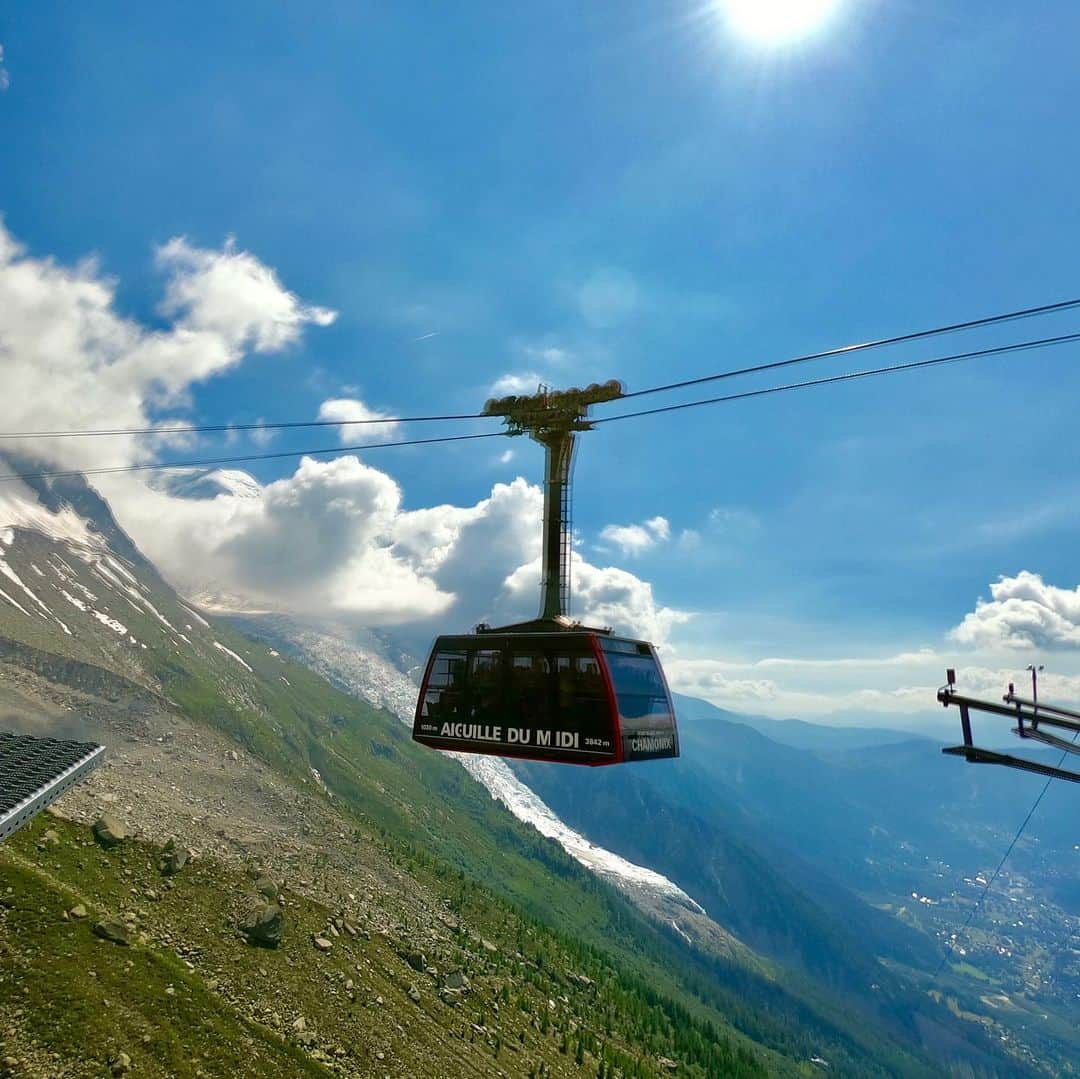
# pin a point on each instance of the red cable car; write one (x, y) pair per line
(543, 692)
(551, 689)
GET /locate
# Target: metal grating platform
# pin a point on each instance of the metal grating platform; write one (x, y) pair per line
(34, 772)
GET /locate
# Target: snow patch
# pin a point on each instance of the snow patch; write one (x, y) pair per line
(33, 566)
(7, 536)
(12, 576)
(20, 508)
(72, 599)
(229, 652)
(105, 620)
(194, 614)
(503, 785)
(682, 933)
(14, 602)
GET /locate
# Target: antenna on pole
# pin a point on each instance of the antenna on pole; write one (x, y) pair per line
(553, 418)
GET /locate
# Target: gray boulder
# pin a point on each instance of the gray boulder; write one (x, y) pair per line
(266, 887)
(112, 930)
(108, 831)
(174, 858)
(263, 924)
(416, 960)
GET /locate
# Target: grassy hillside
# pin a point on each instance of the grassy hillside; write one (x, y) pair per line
(187, 995)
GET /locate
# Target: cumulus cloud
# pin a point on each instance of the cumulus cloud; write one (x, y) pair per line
(333, 538)
(518, 384)
(71, 361)
(358, 422)
(232, 294)
(636, 539)
(318, 542)
(1023, 612)
(601, 596)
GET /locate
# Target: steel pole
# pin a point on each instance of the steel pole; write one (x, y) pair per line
(555, 575)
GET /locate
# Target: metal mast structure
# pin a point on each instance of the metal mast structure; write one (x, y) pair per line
(553, 418)
(1035, 720)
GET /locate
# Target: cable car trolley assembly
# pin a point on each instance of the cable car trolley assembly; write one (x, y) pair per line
(550, 689)
(1035, 720)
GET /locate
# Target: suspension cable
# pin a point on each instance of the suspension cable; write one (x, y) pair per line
(881, 342)
(849, 376)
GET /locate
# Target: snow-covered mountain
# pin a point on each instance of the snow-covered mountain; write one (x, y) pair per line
(73, 585)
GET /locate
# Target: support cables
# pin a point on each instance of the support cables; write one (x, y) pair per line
(226, 428)
(881, 342)
(158, 466)
(843, 350)
(849, 376)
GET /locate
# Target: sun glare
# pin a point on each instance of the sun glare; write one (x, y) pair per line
(775, 21)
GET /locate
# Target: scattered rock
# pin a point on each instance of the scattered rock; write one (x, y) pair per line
(78, 912)
(323, 944)
(108, 831)
(50, 837)
(488, 946)
(413, 994)
(266, 887)
(120, 1064)
(299, 1024)
(174, 858)
(112, 930)
(263, 925)
(456, 979)
(416, 960)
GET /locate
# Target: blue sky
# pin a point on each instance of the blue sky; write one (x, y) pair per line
(621, 190)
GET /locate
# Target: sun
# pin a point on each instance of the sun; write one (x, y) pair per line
(776, 21)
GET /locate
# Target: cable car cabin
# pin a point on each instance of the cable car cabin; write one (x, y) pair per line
(577, 697)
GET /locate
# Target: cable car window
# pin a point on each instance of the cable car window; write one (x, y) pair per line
(582, 698)
(445, 696)
(639, 687)
(485, 685)
(530, 689)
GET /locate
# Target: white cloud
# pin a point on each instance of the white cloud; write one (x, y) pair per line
(5, 78)
(636, 539)
(71, 361)
(331, 539)
(601, 596)
(234, 295)
(318, 542)
(1024, 612)
(518, 384)
(352, 413)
